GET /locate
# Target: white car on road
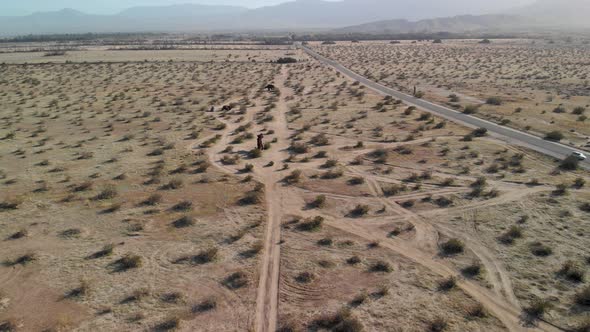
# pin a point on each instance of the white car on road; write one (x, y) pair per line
(579, 155)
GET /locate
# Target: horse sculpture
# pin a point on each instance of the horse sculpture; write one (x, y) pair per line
(270, 87)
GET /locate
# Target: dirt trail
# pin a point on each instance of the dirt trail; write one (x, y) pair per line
(268, 290)
(500, 301)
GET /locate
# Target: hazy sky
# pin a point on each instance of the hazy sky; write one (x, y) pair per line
(25, 7)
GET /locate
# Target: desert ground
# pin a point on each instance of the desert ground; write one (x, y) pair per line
(133, 200)
(538, 86)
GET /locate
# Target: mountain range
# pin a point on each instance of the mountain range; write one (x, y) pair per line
(397, 16)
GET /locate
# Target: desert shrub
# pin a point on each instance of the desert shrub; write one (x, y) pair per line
(208, 304)
(299, 148)
(438, 324)
(84, 186)
(293, 178)
(230, 160)
(479, 182)
(554, 136)
(169, 324)
(470, 109)
(71, 233)
(537, 308)
(9, 325)
(585, 207)
(570, 163)
(22, 260)
(354, 260)
(475, 311)
(472, 270)
(305, 277)
(408, 204)
(107, 250)
(359, 210)
(183, 222)
(560, 190)
(358, 180)
(515, 232)
(286, 60)
(443, 202)
(108, 192)
(541, 250)
(248, 168)
(288, 324)
(311, 225)
(342, 321)
(452, 247)
(582, 297)
(330, 163)
(325, 242)
(254, 153)
(172, 297)
(479, 132)
(332, 174)
(19, 234)
(320, 155)
(318, 202)
(447, 284)
(584, 326)
(359, 299)
(82, 290)
(572, 272)
(173, 184)
(236, 280)
(320, 140)
(496, 101)
(182, 206)
(154, 199)
(128, 262)
(579, 183)
(393, 190)
(381, 266)
(205, 256)
(251, 198)
(579, 110)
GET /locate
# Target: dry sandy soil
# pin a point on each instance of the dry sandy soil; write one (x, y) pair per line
(542, 85)
(127, 205)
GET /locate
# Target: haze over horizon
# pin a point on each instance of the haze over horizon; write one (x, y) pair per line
(107, 7)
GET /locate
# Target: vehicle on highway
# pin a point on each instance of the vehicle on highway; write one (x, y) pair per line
(579, 155)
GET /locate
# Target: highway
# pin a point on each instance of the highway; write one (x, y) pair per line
(509, 135)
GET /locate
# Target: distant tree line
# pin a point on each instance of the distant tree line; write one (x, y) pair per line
(76, 37)
(399, 36)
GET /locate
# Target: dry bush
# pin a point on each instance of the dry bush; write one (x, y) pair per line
(22, 260)
(183, 222)
(452, 247)
(311, 225)
(318, 202)
(572, 272)
(438, 324)
(582, 297)
(236, 280)
(343, 320)
(128, 262)
(208, 304)
(447, 284)
(381, 266)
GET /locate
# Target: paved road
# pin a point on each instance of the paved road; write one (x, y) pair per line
(506, 134)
